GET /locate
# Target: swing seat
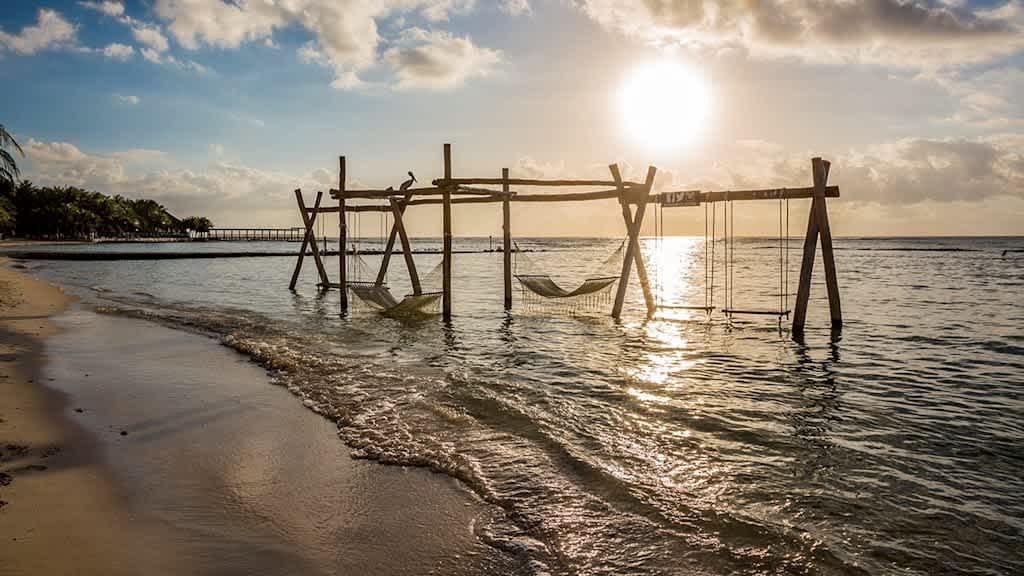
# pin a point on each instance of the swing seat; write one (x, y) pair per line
(732, 312)
(704, 308)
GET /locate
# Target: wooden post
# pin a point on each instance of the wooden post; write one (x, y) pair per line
(506, 231)
(342, 237)
(817, 224)
(410, 264)
(446, 299)
(633, 255)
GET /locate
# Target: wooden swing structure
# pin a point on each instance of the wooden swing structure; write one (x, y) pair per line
(633, 197)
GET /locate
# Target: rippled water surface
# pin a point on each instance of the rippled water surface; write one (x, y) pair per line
(677, 445)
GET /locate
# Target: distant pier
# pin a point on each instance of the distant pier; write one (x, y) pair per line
(250, 234)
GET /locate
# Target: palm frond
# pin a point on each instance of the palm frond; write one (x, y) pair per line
(8, 163)
(7, 140)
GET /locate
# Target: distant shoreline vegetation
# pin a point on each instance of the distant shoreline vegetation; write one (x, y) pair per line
(71, 213)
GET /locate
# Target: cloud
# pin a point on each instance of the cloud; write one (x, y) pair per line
(118, 51)
(437, 60)
(214, 191)
(150, 36)
(515, 7)
(50, 30)
(901, 33)
(345, 32)
(126, 98)
(108, 7)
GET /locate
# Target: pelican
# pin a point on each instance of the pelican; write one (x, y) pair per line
(405, 185)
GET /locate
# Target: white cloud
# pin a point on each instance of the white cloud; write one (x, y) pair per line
(108, 7)
(151, 55)
(150, 36)
(346, 35)
(50, 30)
(437, 60)
(515, 7)
(903, 33)
(214, 191)
(126, 98)
(118, 51)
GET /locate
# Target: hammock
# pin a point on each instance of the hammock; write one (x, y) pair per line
(378, 297)
(540, 289)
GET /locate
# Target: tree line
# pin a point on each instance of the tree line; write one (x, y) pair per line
(69, 212)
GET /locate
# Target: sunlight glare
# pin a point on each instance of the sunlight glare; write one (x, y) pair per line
(665, 104)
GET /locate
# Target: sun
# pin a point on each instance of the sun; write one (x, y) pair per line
(665, 104)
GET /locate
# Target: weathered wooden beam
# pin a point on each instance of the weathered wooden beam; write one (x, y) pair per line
(506, 234)
(528, 182)
(803, 291)
(821, 168)
(437, 191)
(309, 219)
(446, 297)
(761, 194)
(633, 254)
(305, 237)
(389, 248)
(632, 196)
(410, 264)
(368, 208)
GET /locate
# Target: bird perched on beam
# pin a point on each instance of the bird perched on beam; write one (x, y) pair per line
(408, 183)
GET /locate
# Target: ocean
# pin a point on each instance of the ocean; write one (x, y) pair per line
(682, 444)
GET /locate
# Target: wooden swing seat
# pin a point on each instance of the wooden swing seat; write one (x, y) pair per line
(731, 312)
(704, 308)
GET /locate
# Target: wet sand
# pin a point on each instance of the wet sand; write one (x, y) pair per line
(165, 453)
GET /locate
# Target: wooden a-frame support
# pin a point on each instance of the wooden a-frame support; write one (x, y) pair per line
(633, 255)
(817, 225)
(309, 219)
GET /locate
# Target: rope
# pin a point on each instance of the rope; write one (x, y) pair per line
(787, 253)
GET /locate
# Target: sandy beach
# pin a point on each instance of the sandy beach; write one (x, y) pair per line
(120, 457)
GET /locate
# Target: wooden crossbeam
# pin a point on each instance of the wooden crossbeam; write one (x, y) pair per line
(760, 194)
(529, 182)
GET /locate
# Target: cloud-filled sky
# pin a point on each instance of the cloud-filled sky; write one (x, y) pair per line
(222, 108)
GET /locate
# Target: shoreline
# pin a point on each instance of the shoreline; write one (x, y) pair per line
(152, 466)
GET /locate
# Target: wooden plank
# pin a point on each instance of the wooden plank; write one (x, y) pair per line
(410, 263)
(325, 210)
(446, 297)
(506, 233)
(342, 239)
(803, 292)
(827, 255)
(447, 181)
(743, 195)
(632, 246)
(305, 237)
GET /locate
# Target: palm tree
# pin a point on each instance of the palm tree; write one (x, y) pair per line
(8, 167)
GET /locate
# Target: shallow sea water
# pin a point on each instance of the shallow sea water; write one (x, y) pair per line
(675, 445)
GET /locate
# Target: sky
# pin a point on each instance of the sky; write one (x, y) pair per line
(222, 109)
